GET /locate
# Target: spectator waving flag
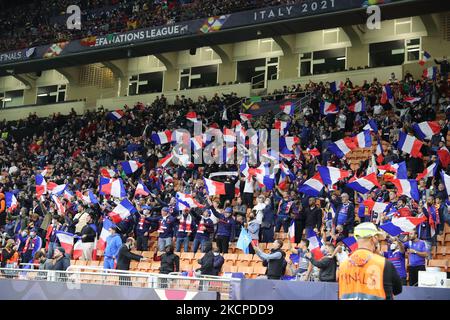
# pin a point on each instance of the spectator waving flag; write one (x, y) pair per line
(66, 240)
(288, 108)
(365, 184)
(312, 187)
(426, 57)
(400, 169)
(359, 106)
(58, 189)
(141, 190)
(291, 232)
(378, 207)
(115, 115)
(342, 146)
(114, 188)
(426, 129)
(331, 175)
(122, 211)
(314, 244)
(244, 240)
(409, 144)
(404, 224)
(187, 201)
(214, 188)
(387, 95)
(363, 139)
(379, 152)
(131, 166)
(428, 172)
(327, 108)
(282, 126)
(11, 201)
(104, 234)
(407, 187)
(351, 243)
(335, 86)
(162, 137)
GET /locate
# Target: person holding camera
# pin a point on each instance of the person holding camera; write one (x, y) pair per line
(274, 261)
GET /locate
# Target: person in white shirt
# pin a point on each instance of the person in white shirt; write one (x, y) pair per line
(377, 108)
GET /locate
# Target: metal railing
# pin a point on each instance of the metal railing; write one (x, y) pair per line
(76, 275)
(257, 84)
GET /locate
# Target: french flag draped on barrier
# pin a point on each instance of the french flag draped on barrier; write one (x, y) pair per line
(409, 144)
(407, 187)
(426, 129)
(351, 243)
(11, 201)
(327, 108)
(359, 106)
(365, 184)
(187, 201)
(331, 175)
(314, 244)
(313, 186)
(115, 115)
(363, 139)
(104, 234)
(404, 224)
(122, 211)
(162, 137)
(428, 172)
(115, 188)
(141, 190)
(131, 166)
(342, 147)
(214, 188)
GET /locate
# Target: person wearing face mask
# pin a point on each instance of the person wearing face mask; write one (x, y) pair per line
(226, 227)
(204, 229)
(327, 264)
(274, 261)
(218, 261)
(170, 262)
(365, 275)
(124, 257)
(32, 245)
(396, 254)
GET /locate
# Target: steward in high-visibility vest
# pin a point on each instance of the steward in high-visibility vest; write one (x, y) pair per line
(365, 275)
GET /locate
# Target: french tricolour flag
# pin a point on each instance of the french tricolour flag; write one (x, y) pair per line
(130, 166)
(67, 194)
(407, 187)
(282, 126)
(342, 147)
(425, 59)
(122, 211)
(229, 136)
(108, 173)
(186, 201)
(162, 137)
(363, 139)
(313, 186)
(403, 224)
(387, 95)
(165, 161)
(371, 125)
(115, 188)
(191, 116)
(59, 206)
(141, 190)
(428, 172)
(41, 185)
(328, 108)
(409, 144)
(58, 189)
(291, 232)
(411, 100)
(446, 181)
(11, 201)
(314, 244)
(359, 106)
(444, 157)
(214, 188)
(288, 142)
(116, 115)
(430, 73)
(400, 169)
(365, 184)
(66, 240)
(378, 207)
(104, 234)
(351, 243)
(288, 108)
(426, 129)
(264, 177)
(331, 175)
(335, 86)
(379, 152)
(90, 198)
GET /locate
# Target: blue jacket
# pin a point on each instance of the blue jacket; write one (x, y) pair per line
(225, 226)
(167, 226)
(143, 226)
(113, 244)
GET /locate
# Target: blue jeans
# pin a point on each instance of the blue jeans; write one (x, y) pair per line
(51, 248)
(108, 263)
(198, 242)
(184, 240)
(163, 243)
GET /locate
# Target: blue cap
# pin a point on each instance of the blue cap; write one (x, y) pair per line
(166, 209)
(229, 210)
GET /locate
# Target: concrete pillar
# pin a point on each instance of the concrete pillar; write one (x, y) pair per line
(227, 69)
(119, 69)
(357, 56)
(289, 62)
(172, 73)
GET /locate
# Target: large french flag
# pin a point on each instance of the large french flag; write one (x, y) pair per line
(122, 211)
(116, 115)
(66, 240)
(291, 232)
(187, 201)
(446, 181)
(444, 157)
(41, 185)
(409, 144)
(400, 170)
(314, 244)
(365, 184)
(162, 137)
(426, 129)
(313, 186)
(359, 106)
(430, 73)
(363, 139)
(425, 59)
(342, 146)
(131, 166)
(288, 108)
(327, 108)
(428, 172)
(11, 201)
(387, 95)
(378, 207)
(351, 243)
(214, 188)
(141, 190)
(331, 175)
(403, 224)
(115, 188)
(104, 234)
(407, 187)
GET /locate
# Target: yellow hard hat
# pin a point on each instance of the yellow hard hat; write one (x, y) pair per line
(366, 230)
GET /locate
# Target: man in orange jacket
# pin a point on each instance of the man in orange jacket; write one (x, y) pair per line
(366, 275)
(2, 210)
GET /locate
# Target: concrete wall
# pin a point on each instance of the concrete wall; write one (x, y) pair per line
(42, 111)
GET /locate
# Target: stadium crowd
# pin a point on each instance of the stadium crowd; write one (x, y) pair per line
(79, 151)
(26, 24)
